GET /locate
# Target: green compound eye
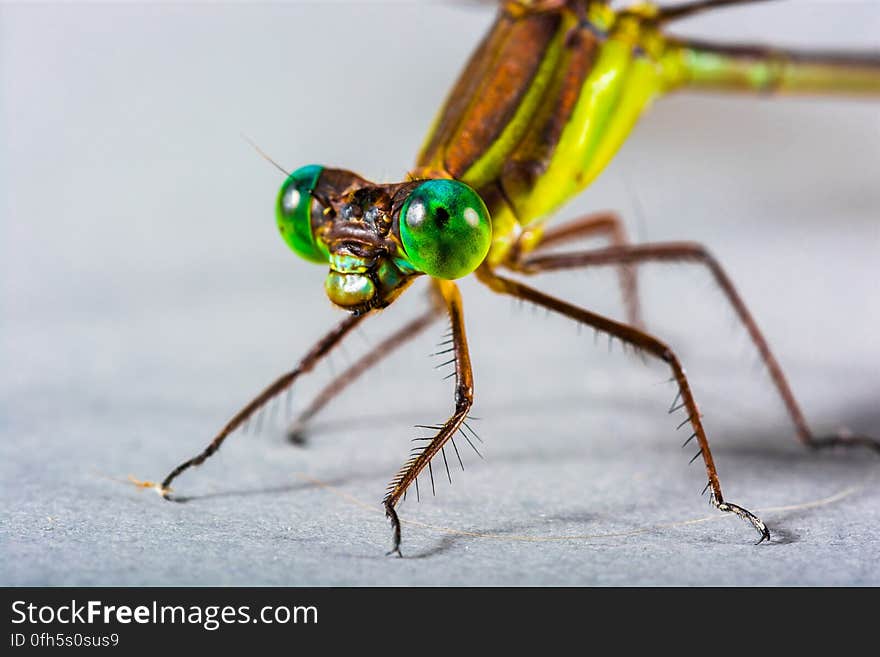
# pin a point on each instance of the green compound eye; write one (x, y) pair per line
(445, 229)
(293, 212)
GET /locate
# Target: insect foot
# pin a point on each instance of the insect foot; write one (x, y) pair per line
(845, 438)
(745, 514)
(161, 490)
(296, 435)
(391, 514)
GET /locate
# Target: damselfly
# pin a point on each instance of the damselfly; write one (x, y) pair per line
(542, 106)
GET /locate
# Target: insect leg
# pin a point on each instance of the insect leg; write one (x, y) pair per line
(650, 345)
(687, 9)
(692, 252)
(296, 432)
(608, 224)
(321, 349)
(464, 398)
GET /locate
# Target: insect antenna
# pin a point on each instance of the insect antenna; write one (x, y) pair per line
(264, 156)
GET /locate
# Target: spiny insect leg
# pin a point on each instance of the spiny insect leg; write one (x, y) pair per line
(609, 225)
(324, 346)
(678, 252)
(464, 395)
(650, 345)
(297, 431)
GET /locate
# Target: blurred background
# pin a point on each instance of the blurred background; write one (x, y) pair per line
(146, 296)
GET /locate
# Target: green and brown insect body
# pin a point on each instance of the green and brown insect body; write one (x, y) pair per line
(542, 106)
(548, 98)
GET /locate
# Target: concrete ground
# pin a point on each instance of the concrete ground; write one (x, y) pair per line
(146, 296)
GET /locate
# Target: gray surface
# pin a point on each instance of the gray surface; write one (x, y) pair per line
(146, 295)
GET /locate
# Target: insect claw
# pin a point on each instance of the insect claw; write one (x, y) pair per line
(391, 514)
(163, 491)
(746, 515)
